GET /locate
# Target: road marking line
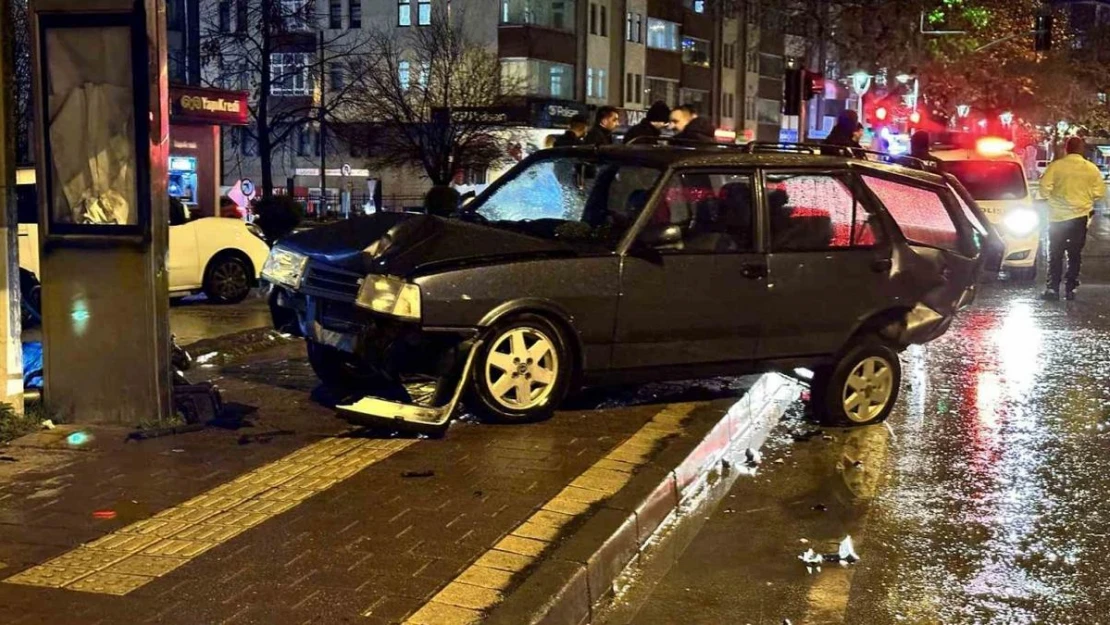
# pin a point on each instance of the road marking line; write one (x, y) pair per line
(481, 586)
(137, 554)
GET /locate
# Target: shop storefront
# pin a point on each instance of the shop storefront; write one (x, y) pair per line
(196, 116)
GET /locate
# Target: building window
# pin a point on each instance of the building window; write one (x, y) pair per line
(696, 98)
(638, 28)
(540, 78)
(556, 14)
(698, 6)
(640, 88)
(403, 74)
(308, 141)
(593, 18)
(628, 27)
(662, 35)
(248, 143)
(589, 82)
(240, 16)
(296, 15)
(338, 77)
(695, 51)
(662, 90)
(595, 83)
(354, 10)
(727, 105)
(335, 14)
(422, 78)
(768, 111)
(404, 12)
(628, 92)
(289, 73)
(728, 54)
(424, 12)
(604, 26)
(225, 16)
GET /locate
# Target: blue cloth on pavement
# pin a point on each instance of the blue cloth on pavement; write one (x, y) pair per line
(32, 364)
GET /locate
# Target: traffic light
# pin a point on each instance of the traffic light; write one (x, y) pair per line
(814, 85)
(1042, 33)
(792, 92)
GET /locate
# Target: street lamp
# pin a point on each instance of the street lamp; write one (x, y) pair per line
(963, 110)
(861, 83)
(1062, 126)
(1006, 118)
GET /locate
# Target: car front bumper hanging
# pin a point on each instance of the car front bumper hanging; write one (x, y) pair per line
(377, 412)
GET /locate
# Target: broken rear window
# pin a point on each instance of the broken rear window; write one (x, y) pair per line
(920, 213)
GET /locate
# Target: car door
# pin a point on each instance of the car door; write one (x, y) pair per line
(182, 264)
(829, 263)
(694, 282)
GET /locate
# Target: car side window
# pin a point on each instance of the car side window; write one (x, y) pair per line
(920, 213)
(713, 212)
(815, 212)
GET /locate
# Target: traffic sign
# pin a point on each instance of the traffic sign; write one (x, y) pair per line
(346, 169)
(247, 187)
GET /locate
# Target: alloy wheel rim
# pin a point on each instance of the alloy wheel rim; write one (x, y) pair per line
(868, 389)
(230, 279)
(522, 368)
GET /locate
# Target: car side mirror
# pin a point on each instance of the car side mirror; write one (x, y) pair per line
(663, 236)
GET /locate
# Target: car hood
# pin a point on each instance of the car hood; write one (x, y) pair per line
(406, 244)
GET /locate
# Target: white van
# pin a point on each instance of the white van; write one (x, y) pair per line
(994, 176)
(219, 256)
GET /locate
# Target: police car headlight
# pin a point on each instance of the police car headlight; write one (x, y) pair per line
(1021, 222)
(390, 296)
(284, 267)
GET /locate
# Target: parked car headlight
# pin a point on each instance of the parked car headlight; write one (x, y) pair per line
(390, 296)
(1022, 221)
(285, 267)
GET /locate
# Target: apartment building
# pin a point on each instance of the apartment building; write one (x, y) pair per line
(572, 56)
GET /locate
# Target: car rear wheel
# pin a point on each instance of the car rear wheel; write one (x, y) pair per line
(861, 388)
(522, 372)
(227, 280)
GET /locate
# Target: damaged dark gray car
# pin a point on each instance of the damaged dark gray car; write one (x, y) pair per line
(636, 264)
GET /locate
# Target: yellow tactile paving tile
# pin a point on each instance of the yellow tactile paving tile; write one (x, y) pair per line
(139, 553)
(480, 586)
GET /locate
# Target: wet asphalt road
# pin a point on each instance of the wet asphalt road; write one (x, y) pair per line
(986, 501)
(194, 318)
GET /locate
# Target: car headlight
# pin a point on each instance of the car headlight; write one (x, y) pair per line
(390, 296)
(1021, 222)
(285, 267)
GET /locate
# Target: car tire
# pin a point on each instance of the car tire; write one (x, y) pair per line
(522, 372)
(227, 280)
(337, 369)
(861, 388)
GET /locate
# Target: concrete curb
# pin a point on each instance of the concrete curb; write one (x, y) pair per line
(566, 586)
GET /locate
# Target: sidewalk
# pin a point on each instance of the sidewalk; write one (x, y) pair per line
(300, 519)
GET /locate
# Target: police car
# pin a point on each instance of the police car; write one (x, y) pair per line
(994, 176)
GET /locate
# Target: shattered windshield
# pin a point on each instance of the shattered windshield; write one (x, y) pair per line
(571, 198)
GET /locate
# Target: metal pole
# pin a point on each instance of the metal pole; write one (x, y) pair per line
(11, 346)
(323, 131)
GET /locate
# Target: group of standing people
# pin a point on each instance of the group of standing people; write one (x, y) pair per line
(684, 119)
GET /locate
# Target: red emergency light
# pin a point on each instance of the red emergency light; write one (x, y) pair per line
(994, 146)
(880, 113)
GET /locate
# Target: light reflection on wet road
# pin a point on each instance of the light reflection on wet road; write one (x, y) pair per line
(986, 503)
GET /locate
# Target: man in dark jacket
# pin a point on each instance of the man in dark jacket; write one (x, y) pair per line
(844, 132)
(602, 133)
(689, 127)
(573, 135)
(651, 125)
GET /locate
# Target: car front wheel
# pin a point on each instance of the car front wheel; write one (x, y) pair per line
(522, 372)
(861, 388)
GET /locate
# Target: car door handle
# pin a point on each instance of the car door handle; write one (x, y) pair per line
(881, 265)
(754, 271)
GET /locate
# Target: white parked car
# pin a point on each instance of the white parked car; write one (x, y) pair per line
(219, 256)
(994, 176)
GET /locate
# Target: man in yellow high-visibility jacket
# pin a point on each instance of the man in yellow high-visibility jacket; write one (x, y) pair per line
(1072, 185)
